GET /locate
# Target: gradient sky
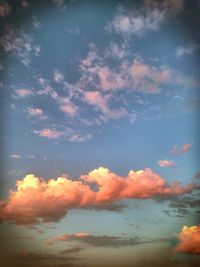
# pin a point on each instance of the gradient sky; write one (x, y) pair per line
(99, 116)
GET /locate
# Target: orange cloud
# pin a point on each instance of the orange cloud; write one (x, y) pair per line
(189, 238)
(185, 148)
(38, 200)
(181, 150)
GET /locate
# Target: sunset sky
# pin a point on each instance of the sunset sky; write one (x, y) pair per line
(99, 133)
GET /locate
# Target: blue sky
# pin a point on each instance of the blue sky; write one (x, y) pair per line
(88, 84)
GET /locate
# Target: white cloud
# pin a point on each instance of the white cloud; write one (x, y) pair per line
(188, 49)
(15, 156)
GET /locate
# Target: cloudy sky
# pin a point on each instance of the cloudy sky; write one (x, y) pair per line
(99, 133)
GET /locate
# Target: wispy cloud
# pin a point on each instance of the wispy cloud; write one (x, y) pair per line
(23, 92)
(60, 4)
(53, 198)
(148, 16)
(20, 44)
(48, 133)
(88, 240)
(188, 49)
(176, 150)
(66, 133)
(189, 240)
(15, 156)
(135, 74)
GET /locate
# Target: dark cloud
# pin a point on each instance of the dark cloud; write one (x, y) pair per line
(102, 241)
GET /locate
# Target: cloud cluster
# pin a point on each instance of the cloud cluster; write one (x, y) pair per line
(20, 44)
(189, 239)
(39, 200)
(135, 75)
(144, 18)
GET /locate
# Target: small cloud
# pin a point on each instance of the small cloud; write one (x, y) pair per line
(188, 49)
(166, 163)
(185, 148)
(177, 150)
(48, 133)
(68, 107)
(75, 31)
(24, 3)
(22, 93)
(31, 157)
(132, 117)
(36, 23)
(36, 112)
(79, 137)
(5, 9)
(189, 240)
(15, 156)
(60, 4)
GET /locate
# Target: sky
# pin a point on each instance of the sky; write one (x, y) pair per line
(99, 133)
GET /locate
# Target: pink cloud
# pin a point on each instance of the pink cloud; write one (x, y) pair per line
(35, 111)
(23, 92)
(185, 148)
(95, 98)
(48, 133)
(176, 150)
(189, 240)
(38, 200)
(68, 107)
(166, 163)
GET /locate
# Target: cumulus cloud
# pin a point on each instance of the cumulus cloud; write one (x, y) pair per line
(176, 150)
(39, 200)
(189, 240)
(166, 163)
